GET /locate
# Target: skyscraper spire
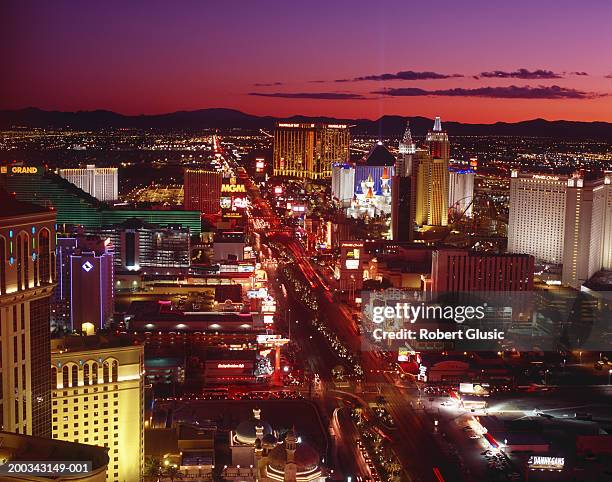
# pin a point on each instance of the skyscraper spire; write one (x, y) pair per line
(406, 146)
(437, 125)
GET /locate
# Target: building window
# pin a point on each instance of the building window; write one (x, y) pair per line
(54, 378)
(115, 374)
(75, 376)
(19, 264)
(65, 376)
(94, 373)
(2, 265)
(44, 256)
(105, 372)
(86, 376)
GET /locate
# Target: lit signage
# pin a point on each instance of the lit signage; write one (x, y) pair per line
(239, 203)
(352, 245)
(268, 305)
(268, 319)
(266, 338)
(230, 365)
(288, 125)
(545, 178)
(474, 388)
(232, 215)
(422, 376)
(353, 253)
(352, 264)
(232, 188)
(403, 354)
(543, 462)
(21, 170)
(260, 293)
(87, 266)
(337, 126)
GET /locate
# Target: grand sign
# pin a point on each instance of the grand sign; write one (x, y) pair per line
(19, 170)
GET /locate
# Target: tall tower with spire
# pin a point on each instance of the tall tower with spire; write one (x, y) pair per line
(437, 125)
(406, 151)
(437, 141)
(290, 465)
(433, 179)
(403, 192)
(406, 146)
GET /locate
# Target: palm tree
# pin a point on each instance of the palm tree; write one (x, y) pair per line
(152, 468)
(172, 472)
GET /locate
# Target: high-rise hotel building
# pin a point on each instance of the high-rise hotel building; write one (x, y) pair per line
(27, 261)
(97, 386)
(562, 220)
(309, 150)
(432, 178)
(85, 275)
(100, 182)
(461, 190)
(460, 270)
(404, 191)
(202, 190)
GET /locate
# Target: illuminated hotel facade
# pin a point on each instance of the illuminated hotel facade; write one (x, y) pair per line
(27, 247)
(100, 182)
(202, 190)
(460, 270)
(562, 220)
(75, 207)
(97, 392)
(432, 178)
(461, 191)
(309, 150)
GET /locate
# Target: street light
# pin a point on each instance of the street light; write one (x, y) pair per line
(609, 375)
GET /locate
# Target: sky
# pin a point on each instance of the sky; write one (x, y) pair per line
(465, 60)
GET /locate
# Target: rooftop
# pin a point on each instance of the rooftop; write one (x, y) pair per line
(13, 207)
(379, 155)
(17, 447)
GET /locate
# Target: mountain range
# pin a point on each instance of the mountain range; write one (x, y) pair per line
(386, 126)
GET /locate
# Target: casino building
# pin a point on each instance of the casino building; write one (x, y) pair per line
(309, 150)
(255, 444)
(76, 207)
(27, 279)
(97, 386)
(100, 182)
(364, 189)
(562, 220)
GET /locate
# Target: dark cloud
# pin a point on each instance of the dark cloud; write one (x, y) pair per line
(311, 95)
(511, 92)
(403, 75)
(521, 74)
(580, 73)
(609, 76)
(271, 84)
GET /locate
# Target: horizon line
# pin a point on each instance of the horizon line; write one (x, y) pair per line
(84, 111)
